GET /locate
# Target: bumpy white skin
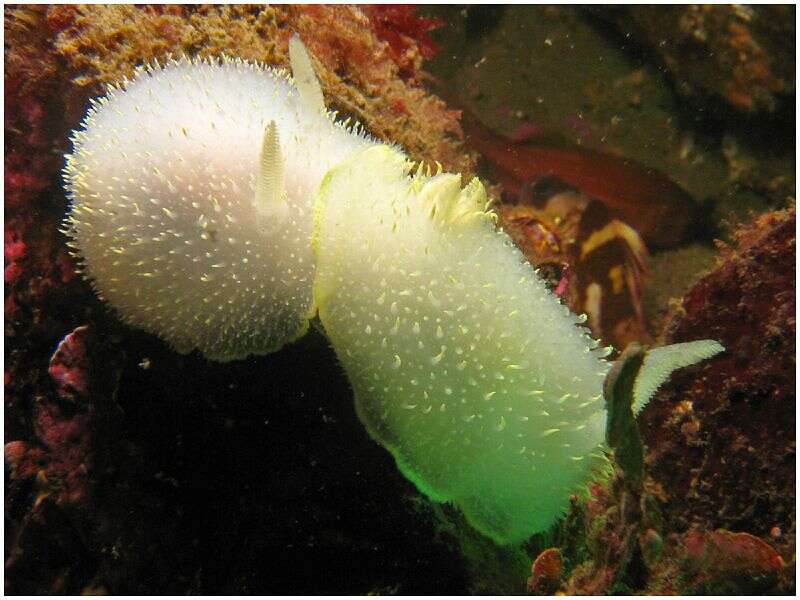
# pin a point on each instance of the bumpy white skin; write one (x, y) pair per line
(463, 364)
(164, 217)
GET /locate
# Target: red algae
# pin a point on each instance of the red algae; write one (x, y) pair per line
(59, 455)
(69, 367)
(406, 33)
(722, 556)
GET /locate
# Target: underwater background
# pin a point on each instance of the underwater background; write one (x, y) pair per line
(644, 152)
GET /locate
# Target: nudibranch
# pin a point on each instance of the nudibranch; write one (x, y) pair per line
(463, 364)
(191, 193)
(485, 388)
(219, 206)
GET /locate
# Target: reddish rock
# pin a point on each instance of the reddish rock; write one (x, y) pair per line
(60, 452)
(545, 573)
(721, 435)
(69, 366)
(722, 561)
(66, 438)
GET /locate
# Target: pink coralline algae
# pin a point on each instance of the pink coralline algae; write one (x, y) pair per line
(545, 573)
(28, 162)
(13, 255)
(13, 252)
(730, 423)
(59, 455)
(69, 367)
(35, 138)
(67, 439)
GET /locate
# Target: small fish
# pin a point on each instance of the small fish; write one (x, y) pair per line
(659, 209)
(596, 262)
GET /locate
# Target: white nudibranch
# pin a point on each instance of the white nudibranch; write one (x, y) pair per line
(191, 193)
(474, 375)
(220, 207)
(484, 387)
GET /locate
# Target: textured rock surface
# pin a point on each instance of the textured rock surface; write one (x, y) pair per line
(716, 512)
(730, 423)
(736, 54)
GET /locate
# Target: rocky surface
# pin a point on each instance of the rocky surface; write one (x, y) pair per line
(730, 425)
(729, 54)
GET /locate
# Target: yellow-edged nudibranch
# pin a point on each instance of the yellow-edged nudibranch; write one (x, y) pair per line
(219, 206)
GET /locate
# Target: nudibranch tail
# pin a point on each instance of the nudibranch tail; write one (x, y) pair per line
(659, 363)
(463, 364)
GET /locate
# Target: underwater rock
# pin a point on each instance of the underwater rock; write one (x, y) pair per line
(45, 552)
(59, 454)
(360, 74)
(724, 562)
(34, 137)
(31, 107)
(545, 573)
(730, 423)
(730, 53)
(48, 482)
(625, 551)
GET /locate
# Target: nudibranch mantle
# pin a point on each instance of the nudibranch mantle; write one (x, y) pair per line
(464, 365)
(191, 191)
